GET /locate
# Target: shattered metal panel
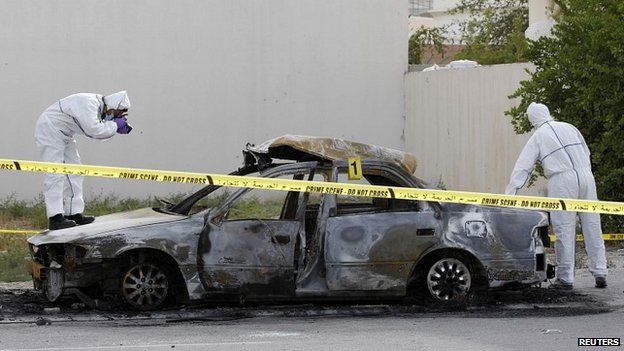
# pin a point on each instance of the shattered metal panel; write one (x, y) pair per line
(376, 251)
(105, 224)
(389, 277)
(500, 273)
(194, 285)
(333, 149)
(501, 239)
(311, 276)
(177, 239)
(507, 233)
(253, 256)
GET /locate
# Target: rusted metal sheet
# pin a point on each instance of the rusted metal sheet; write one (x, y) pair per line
(376, 251)
(254, 256)
(332, 149)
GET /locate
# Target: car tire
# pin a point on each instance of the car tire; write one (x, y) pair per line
(449, 280)
(146, 286)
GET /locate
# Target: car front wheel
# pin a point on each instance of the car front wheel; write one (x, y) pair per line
(145, 286)
(449, 279)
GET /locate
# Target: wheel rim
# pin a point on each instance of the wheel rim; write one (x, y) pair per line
(145, 286)
(448, 279)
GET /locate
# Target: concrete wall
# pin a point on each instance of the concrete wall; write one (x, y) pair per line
(204, 77)
(539, 10)
(456, 127)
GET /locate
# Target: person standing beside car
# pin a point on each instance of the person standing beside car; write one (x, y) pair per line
(565, 158)
(92, 115)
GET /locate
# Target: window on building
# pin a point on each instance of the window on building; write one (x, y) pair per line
(417, 7)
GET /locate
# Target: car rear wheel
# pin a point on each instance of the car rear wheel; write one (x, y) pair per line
(449, 279)
(145, 286)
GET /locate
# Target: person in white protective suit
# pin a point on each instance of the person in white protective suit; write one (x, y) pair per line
(92, 115)
(564, 156)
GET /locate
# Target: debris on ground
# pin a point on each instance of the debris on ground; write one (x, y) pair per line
(43, 321)
(52, 310)
(534, 295)
(551, 331)
(78, 306)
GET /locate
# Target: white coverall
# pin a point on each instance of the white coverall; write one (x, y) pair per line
(54, 135)
(565, 158)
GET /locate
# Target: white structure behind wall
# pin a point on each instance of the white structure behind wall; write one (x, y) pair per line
(540, 20)
(437, 15)
(204, 77)
(456, 127)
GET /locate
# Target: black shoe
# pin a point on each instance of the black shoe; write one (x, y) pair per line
(80, 219)
(601, 282)
(60, 222)
(559, 285)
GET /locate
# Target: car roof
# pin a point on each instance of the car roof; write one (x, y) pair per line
(306, 148)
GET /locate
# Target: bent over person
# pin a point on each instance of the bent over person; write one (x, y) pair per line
(92, 115)
(564, 156)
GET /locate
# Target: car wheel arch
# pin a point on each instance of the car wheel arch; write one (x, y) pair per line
(475, 266)
(143, 254)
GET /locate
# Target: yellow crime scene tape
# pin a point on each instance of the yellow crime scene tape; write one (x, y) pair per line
(19, 231)
(606, 237)
(415, 194)
(362, 190)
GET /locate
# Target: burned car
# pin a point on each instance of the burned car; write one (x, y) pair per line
(251, 244)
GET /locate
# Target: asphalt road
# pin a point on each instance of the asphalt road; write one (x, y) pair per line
(517, 322)
(417, 332)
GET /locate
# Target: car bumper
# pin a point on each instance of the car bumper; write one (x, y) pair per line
(56, 280)
(520, 271)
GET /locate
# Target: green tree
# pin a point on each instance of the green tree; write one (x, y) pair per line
(425, 43)
(579, 75)
(493, 33)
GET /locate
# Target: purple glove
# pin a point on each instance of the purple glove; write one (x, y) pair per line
(122, 125)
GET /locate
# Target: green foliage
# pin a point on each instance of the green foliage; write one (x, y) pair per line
(22, 214)
(579, 75)
(256, 208)
(13, 251)
(102, 205)
(494, 31)
(424, 44)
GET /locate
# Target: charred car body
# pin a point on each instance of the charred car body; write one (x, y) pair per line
(294, 245)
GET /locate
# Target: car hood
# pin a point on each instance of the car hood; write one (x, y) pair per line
(104, 224)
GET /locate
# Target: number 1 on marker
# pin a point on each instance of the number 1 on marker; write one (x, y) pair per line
(355, 168)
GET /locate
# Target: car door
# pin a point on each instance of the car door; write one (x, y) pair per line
(371, 244)
(247, 246)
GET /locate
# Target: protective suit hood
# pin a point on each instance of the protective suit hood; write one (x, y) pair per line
(538, 114)
(117, 101)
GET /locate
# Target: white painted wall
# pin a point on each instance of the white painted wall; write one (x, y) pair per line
(204, 78)
(456, 127)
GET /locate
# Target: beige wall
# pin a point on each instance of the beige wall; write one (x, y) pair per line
(204, 78)
(456, 127)
(539, 10)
